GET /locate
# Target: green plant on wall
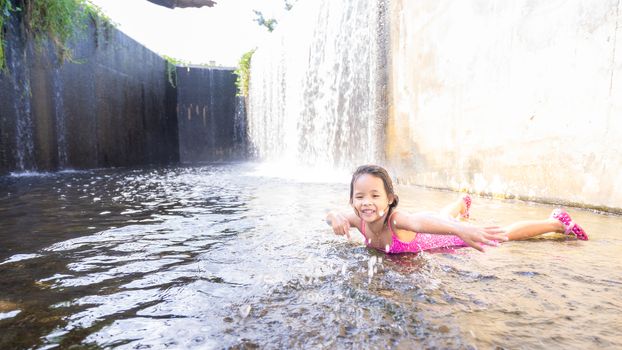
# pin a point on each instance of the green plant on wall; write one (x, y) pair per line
(269, 23)
(57, 20)
(171, 68)
(6, 8)
(243, 72)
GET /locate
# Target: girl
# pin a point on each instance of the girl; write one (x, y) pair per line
(392, 231)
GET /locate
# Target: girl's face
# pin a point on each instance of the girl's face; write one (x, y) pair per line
(369, 198)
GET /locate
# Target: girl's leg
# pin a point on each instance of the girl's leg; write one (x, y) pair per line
(559, 221)
(528, 229)
(460, 207)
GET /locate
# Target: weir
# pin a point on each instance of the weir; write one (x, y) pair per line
(317, 88)
(512, 100)
(115, 104)
(210, 121)
(61, 118)
(110, 106)
(19, 89)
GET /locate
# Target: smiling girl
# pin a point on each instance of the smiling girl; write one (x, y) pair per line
(374, 202)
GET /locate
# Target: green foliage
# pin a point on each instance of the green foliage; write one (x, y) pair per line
(271, 23)
(176, 61)
(171, 68)
(6, 8)
(268, 23)
(96, 13)
(243, 72)
(172, 63)
(58, 20)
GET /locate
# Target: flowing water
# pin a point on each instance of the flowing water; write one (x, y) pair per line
(238, 256)
(317, 88)
(20, 83)
(61, 118)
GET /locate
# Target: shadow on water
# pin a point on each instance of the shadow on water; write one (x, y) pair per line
(225, 256)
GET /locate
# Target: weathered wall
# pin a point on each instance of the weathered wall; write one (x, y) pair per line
(517, 98)
(112, 106)
(211, 124)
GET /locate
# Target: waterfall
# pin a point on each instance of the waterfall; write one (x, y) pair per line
(317, 86)
(61, 123)
(210, 107)
(240, 139)
(19, 75)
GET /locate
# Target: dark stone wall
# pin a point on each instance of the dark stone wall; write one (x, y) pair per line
(111, 106)
(211, 117)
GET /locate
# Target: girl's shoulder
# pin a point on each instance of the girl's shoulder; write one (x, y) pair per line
(397, 214)
(399, 220)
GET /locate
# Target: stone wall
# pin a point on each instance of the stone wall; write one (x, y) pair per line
(514, 99)
(111, 106)
(211, 117)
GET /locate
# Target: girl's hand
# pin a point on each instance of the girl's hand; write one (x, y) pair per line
(476, 236)
(339, 223)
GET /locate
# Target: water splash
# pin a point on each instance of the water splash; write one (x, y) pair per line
(30, 174)
(303, 174)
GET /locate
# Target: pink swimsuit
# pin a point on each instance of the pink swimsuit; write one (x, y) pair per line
(421, 242)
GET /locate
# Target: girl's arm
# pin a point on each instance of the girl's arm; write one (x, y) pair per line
(474, 236)
(341, 222)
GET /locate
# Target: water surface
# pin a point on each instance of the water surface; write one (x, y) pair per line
(229, 255)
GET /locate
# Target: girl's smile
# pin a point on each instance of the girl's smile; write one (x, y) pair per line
(370, 198)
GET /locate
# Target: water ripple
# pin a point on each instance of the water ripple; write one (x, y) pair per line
(210, 257)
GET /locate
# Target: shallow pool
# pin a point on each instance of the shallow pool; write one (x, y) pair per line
(230, 255)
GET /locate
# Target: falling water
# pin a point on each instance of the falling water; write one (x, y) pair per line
(61, 124)
(19, 76)
(317, 92)
(211, 108)
(240, 138)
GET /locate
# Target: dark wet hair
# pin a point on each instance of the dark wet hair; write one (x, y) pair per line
(383, 175)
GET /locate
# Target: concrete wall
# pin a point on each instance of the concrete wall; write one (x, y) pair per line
(211, 118)
(519, 98)
(113, 106)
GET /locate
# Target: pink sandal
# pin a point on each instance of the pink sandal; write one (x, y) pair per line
(570, 227)
(467, 202)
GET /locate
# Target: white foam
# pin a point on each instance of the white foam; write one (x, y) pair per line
(10, 314)
(30, 174)
(19, 257)
(298, 173)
